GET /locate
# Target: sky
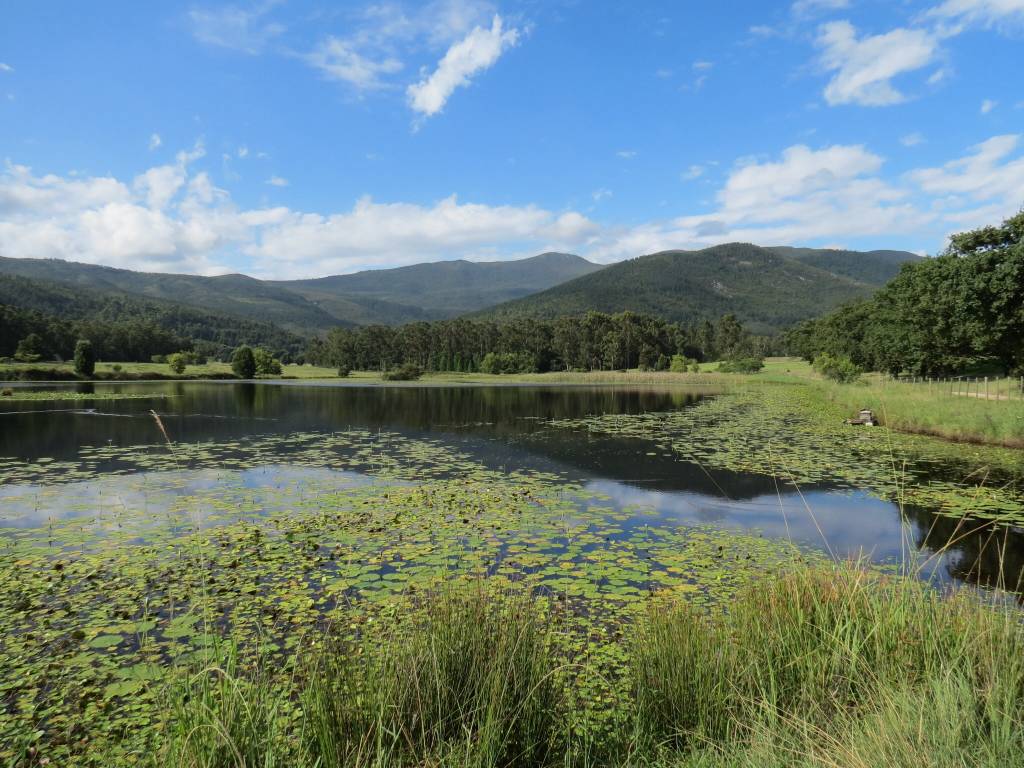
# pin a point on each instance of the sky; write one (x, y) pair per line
(296, 138)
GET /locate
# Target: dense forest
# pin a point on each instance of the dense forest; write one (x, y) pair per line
(593, 341)
(960, 311)
(123, 327)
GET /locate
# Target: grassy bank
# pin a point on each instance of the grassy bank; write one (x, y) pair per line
(114, 371)
(831, 666)
(918, 409)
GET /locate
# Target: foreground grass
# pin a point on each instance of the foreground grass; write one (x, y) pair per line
(831, 666)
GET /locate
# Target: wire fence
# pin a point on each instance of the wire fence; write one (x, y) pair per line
(1005, 389)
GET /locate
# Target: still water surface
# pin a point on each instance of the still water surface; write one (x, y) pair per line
(501, 428)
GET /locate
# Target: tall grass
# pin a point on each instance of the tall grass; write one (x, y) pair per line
(834, 667)
(826, 666)
(469, 680)
(222, 718)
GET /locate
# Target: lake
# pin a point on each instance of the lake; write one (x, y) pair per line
(67, 459)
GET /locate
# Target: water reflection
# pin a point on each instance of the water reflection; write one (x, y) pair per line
(502, 428)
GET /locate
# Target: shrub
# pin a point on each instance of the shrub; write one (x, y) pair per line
(116, 367)
(741, 365)
(681, 364)
(406, 372)
(266, 365)
(840, 369)
(177, 363)
(158, 359)
(29, 349)
(85, 358)
(243, 363)
(344, 371)
(508, 362)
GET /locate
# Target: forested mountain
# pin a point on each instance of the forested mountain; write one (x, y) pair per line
(768, 289)
(391, 296)
(237, 295)
(113, 319)
(873, 267)
(437, 290)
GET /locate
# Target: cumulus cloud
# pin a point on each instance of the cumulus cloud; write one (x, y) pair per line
(988, 105)
(478, 51)
(6, 67)
(912, 139)
(155, 141)
(693, 172)
(277, 181)
(174, 218)
(865, 66)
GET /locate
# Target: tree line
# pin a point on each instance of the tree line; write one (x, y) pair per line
(593, 341)
(31, 335)
(960, 311)
(127, 328)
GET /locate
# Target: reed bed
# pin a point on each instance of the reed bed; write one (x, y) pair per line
(824, 666)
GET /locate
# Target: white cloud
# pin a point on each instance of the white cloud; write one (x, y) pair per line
(601, 194)
(626, 154)
(6, 67)
(986, 173)
(155, 141)
(693, 172)
(804, 8)
(703, 65)
(338, 60)
(277, 181)
(173, 218)
(865, 67)
(478, 51)
(382, 36)
(240, 29)
(243, 152)
(374, 234)
(988, 12)
(912, 139)
(988, 105)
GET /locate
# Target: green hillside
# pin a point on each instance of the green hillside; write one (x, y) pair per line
(237, 295)
(63, 302)
(873, 267)
(390, 296)
(437, 290)
(768, 289)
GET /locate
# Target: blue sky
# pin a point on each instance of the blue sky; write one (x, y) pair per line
(298, 138)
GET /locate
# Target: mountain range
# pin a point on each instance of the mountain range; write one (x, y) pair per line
(767, 288)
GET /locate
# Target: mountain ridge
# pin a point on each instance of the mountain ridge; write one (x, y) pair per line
(767, 288)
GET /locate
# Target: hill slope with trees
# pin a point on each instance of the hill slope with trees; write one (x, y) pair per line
(437, 290)
(767, 288)
(391, 296)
